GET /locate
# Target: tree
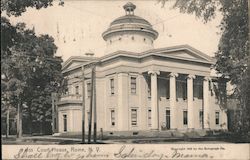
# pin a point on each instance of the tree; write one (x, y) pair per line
(29, 67)
(233, 50)
(11, 86)
(16, 8)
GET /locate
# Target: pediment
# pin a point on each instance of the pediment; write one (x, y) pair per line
(186, 55)
(74, 62)
(184, 52)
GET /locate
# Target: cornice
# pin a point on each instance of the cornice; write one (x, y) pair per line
(160, 52)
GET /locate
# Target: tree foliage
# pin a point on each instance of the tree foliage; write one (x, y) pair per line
(205, 9)
(233, 49)
(17, 7)
(30, 71)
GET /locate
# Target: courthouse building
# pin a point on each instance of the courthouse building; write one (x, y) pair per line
(139, 87)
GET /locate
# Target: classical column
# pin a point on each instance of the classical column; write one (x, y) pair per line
(154, 99)
(206, 103)
(190, 97)
(173, 109)
(122, 95)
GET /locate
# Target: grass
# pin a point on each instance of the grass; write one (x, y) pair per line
(139, 139)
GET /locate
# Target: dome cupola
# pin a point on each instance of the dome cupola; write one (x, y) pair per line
(129, 32)
(129, 8)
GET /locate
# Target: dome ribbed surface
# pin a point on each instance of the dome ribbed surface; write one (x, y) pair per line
(130, 23)
(130, 19)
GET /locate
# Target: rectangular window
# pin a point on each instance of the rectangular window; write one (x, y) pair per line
(195, 88)
(88, 116)
(149, 88)
(133, 117)
(89, 90)
(181, 88)
(55, 123)
(112, 116)
(66, 91)
(149, 118)
(65, 123)
(77, 89)
(185, 118)
(201, 118)
(112, 87)
(198, 89)
(168, 89)
(184, 87)
(217, 118)
(167, 119)
(133, 85)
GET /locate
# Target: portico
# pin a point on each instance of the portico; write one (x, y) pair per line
(173, 105)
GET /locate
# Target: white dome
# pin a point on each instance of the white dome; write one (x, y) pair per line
(129, 33)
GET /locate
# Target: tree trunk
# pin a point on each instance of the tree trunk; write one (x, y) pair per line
(249, 22)
(30, 119)
(53, 113)
(19, 120)
(41, 127)
(8, 121)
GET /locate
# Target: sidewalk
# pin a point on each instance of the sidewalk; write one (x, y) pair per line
(145, 140)
(40, 140)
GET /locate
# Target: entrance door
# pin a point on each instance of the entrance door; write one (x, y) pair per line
(167, 119)
(65, 123)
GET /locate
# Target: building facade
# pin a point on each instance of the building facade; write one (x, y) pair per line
(139, 88)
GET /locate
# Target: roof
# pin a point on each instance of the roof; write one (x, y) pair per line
(167, 52)
(128, 23)
(182, 47)
(191, 54)
(130, 19)
(77, 58)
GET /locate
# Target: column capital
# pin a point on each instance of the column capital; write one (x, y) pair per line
(191, 76)
(206, 78)
(173, 74)
(154, 72)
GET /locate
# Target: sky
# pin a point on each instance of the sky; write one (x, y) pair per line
(78, 25)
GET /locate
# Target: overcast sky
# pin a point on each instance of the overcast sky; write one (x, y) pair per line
(77, 27)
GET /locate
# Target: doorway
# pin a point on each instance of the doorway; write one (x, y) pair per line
(167, 119)
(65, 123)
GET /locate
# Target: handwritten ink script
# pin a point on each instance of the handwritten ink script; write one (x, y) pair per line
(60, 153)
(158, 152)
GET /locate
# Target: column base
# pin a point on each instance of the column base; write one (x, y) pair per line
(154, 129)
(173, 129)
(206, 129)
